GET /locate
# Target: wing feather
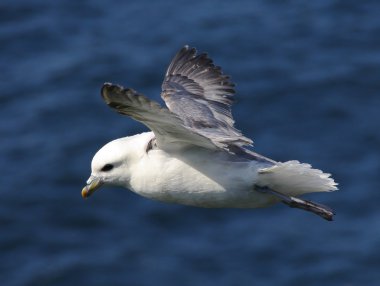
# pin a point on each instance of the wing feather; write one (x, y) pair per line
(167, 127)
(201, 95)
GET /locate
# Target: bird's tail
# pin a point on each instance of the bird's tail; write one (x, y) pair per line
(293, 178)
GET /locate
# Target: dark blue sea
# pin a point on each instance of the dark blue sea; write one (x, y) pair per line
(307, 76)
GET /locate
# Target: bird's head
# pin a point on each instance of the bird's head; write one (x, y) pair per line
(112, 164)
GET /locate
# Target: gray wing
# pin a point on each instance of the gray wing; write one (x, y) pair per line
(167, 127)
(201, 95)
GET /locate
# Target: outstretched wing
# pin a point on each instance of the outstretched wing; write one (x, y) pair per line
(201, 95)
(167, 127)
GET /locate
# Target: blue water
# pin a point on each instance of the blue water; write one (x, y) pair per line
(308, 84)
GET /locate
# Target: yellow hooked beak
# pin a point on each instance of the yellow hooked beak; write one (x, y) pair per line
(93, 183)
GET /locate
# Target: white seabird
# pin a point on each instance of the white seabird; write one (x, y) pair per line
(194, 155)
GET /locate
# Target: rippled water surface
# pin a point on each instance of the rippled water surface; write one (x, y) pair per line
(308, 83)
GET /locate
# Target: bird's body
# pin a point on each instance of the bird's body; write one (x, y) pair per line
(191, 175)
(195, 156)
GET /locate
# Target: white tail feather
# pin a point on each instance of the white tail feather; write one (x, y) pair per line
(293, 178)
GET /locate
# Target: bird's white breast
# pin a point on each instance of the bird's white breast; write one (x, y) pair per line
(197, 177)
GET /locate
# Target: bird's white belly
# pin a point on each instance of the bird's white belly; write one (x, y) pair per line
(204, 180)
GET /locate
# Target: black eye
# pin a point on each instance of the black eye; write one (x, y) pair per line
(107, 167)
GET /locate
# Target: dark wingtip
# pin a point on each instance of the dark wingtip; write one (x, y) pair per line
(106, 86)
(109, 90)
(188, 50)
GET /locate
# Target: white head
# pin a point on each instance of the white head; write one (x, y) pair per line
(112, 164)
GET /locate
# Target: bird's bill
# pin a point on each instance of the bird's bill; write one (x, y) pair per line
(93, 184)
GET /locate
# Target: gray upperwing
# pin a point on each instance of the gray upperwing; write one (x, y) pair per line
(168, 127)
(201, 95)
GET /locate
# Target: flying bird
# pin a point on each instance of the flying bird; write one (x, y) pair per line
(193, 154)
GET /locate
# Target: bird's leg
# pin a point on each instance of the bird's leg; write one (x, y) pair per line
(321, 210)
